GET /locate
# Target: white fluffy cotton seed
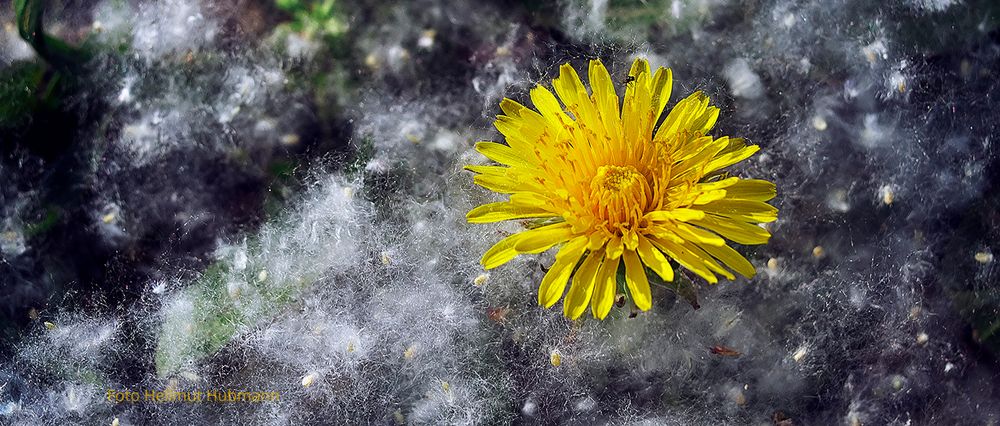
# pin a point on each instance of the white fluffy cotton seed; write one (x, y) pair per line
(837, 201)
(743, 82)
(529, 408)
(586, 404)
(426, 40)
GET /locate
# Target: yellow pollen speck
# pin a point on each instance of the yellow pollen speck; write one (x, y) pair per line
(819, 123)
(384, 257)
(350, 347)
(372, 61)
(898, 382)
(772, 265)
(555, 358)
(114, 422)
(262, 275)
(818, 252)
(308, 380)
(49, 325)
(800, 354)
(410, 352)
(445, 386)
(480, 280)
(108, 218)
(984, 257)
(922, 338)
(290, 139)
(888, 196)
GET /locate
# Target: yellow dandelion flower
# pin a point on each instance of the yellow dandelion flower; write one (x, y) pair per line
(616, 188)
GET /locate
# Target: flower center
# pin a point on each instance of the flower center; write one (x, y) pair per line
(620, 195)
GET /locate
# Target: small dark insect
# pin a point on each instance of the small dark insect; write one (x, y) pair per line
(628, 80)
(620, 300)
(724, 351)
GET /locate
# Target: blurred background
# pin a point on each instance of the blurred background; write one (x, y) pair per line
(269, 196)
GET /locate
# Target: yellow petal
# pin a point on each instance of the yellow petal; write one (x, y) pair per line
(719, 184)
(554, 283)
(663, 81)
(502, 154)
(605, 286)
(698, 235)
(636, 280)
(501, 252)
(512, 107)
(706, 197)
(731, 158)
(530, 199)
(745, 210)
(707, 259)
(707, 148)
(500, 184)
(614, 247)
(752, 189)
(739, 232)
(607, 100)
(547, 104)
(540, 239)
(688, 115)
(686, 258)
(637, 119)
(731, 258)
(574, 94)
(654, 259)
(495, 212)
(582, 287)
(681, 214)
